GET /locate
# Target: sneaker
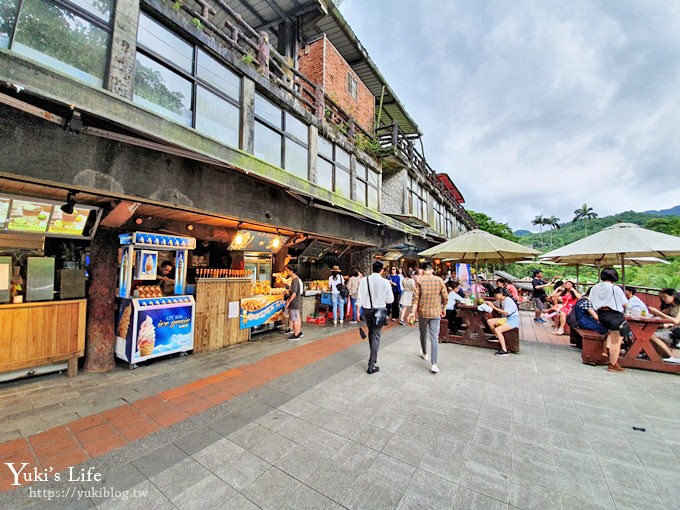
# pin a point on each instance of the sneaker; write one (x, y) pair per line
(494, 340)
(539, 320)
(287, 331)
(341, 321)
(401, 323)
(294, 338)
(353, 322)
(335, 323)
(435, 368)
(559, 331)
(671, 360)
(615, 368)
(424, 355)
(502, 353)
(372, 369)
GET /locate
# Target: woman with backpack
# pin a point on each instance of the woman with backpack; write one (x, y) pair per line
(339, 292)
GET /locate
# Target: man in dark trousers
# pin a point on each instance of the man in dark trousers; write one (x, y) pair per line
(380, 296)
(294, 303)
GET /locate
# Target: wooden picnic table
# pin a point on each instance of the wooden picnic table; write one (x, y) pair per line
(643, 328)
(477, 332)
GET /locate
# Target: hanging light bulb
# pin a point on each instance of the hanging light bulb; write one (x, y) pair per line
(238, 239)
(276, 242)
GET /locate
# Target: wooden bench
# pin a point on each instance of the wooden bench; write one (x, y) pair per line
(511, 338)
(592, 345)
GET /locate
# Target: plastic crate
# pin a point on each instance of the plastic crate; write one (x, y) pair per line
(316, 320)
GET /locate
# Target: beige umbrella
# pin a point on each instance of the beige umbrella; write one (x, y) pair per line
(615, 244)
(476, 245)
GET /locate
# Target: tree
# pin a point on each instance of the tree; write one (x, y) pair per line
(585, 213)
(540, 221)
(553, 223)
(667, 225)
(484, 222)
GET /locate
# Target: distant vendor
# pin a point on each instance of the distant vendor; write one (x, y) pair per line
(166, 283)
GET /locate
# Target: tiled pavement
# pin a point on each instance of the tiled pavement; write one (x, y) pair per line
(534, 430)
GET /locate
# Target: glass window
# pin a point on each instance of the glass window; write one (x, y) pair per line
(361, 171)
(214, 73)
(373, 198)
(373, 177)
(161, 90)
(8, 16)
(342, 182)
(217, 117)
(342, 156)
(267, 111)
(100, 8)
(62, 40)
(324, 174)
(325, 147)
(351, 86)
(296, 159)
(158, 39)
(267, 144)
(297, 128)
(361, 193)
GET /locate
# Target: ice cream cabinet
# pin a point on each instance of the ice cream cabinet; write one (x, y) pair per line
(150, 324)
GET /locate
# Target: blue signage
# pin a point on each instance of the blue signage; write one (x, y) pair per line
(163, 331)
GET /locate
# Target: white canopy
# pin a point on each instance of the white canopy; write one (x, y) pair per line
(479, 245)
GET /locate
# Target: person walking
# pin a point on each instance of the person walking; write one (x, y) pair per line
(337, 301)
(395, 281)
(374, 292)
(406, 296)
(429, 306)
(294, 303)
(353, 286)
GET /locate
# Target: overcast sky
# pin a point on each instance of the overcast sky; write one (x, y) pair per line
(535, 107)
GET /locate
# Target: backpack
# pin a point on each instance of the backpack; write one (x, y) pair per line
(572, 320)
(343, 290)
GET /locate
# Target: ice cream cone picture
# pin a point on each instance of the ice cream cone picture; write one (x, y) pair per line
(146, 337)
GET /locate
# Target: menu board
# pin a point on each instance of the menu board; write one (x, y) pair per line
(4, 210)
(68, 223)
(29, 216)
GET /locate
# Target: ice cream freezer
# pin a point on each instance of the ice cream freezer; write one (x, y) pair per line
(153, 327)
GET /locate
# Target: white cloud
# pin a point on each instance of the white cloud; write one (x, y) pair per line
(537, 107)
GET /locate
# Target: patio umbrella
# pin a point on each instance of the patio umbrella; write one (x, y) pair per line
(615, 244)
(476, 245)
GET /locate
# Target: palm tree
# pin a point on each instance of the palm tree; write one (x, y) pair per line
(585, 213)
(540, 221)
(553, 223)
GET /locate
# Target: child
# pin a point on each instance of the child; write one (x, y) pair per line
(509, 318)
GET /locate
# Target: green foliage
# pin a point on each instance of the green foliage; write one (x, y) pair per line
(149, 85)
(197, 23)
(368, 144)
(666, 224)
(247, 59)
(484, 222)
(177, 6)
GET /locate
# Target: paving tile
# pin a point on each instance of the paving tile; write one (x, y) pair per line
(467, 499)
(372, 437)
(530, 496)
(406, 450)
(332, 480)
(430, 490)
(242, 470)
(217, 454)
(159, 460)
(272, 490)
(306, 498)
(179, 477)
(369, 496)
(272, 447)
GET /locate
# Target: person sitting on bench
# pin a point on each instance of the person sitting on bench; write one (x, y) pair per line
(509, 318)
(452, 287)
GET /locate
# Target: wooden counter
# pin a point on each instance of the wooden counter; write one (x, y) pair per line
(40, 333)
(214, 329)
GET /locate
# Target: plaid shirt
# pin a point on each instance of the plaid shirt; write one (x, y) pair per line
(585, 304)
(430, 296)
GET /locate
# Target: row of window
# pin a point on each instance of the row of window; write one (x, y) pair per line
(442, 219)
(180, 81)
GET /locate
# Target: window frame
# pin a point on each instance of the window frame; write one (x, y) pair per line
(192, 76)
(335, 165)
(81, 13)
(366, 183)
(352, 86)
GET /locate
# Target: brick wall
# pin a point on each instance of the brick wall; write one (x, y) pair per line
(332, 75)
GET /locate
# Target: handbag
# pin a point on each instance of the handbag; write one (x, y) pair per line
(379, 314)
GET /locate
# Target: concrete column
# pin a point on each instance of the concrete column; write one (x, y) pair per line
(123, 47)
(247, 135)
(353, 176)
(313, 152)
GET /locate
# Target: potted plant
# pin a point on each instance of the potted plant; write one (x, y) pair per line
(71, 255)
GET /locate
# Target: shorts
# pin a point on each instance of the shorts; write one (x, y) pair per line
(295, 315)
(513, 321)
(664, 334)
(538, 303)
(611, 319)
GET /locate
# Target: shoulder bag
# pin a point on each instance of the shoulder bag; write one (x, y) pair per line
(379, 314)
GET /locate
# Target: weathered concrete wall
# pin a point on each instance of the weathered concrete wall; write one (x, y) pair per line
(393, 196)
(123, 48)
(35, 149)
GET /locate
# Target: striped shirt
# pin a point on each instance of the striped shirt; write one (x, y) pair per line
(430, 296)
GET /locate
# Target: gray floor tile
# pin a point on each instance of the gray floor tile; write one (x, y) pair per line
(372, 437)
(308, 499)
(218, 454)
(210, 492)
(487, 480)
(332, 480)
(355, 456)
(430, 490)
(409, 451)
(179, 477)
(242, 470)
(467, 499)
(390, 472)
(529, 496)
(272, 490)
(159, 460)
(369, 496)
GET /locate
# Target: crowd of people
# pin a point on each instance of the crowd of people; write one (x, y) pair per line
(419, 295)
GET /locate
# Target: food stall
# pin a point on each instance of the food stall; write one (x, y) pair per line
(38, 333)
(150, 324)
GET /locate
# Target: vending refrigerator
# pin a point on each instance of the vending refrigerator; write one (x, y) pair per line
(259, 264)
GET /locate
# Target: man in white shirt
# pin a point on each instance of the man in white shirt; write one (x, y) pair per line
(379, 297)
(635, 305)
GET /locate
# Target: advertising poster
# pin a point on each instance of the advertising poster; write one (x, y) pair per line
(68, 223)
(463, 275)
(29, 216)
(147, 261)
(163, 331)
(4, 211)
(258, 310)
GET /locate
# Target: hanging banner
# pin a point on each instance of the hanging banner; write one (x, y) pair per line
(463, 275)
(258, 310)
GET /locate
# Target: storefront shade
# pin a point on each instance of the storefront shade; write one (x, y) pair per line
(478, 245)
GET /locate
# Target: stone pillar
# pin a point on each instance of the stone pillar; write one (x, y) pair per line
(353, 176)
(101, 309)
(313, 152)
(247, 138)
(123, 47)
